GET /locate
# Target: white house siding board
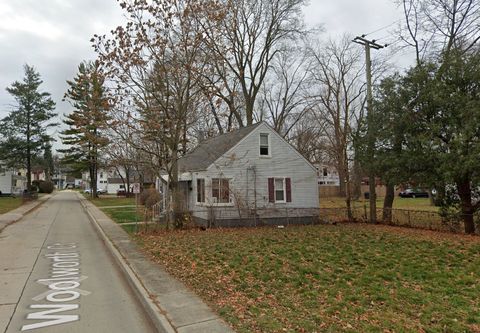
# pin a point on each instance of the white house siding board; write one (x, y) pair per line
(113, 188)
(6, 182)
(284, 162)
(11, 183)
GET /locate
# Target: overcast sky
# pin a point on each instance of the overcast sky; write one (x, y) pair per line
(53, 35)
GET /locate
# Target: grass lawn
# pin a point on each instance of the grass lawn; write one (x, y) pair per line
(104, 201)
(119, 209)
(343, 278)
(422, 204)
(8, 203)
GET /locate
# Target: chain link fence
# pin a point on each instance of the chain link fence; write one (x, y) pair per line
(401, 217)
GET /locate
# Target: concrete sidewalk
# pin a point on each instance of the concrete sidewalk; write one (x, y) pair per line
(18, 213)
(170, 304)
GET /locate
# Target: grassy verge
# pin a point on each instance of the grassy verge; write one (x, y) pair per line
(344, 278)
(105, 201)
(121, 210)
(8, 203)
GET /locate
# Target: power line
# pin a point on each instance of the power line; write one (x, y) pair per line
(382, 28)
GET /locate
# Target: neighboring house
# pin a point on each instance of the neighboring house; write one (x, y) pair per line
(59, 179)
(102, 179)
(327, 176)
(117, 184)
(38, 174)
(250, 176)
(11, 181)
(114, 185)
(109, 180)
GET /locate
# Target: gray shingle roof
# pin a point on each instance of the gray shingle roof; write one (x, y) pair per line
(210, 150)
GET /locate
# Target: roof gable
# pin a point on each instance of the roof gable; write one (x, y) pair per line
(212, 149)
(201, 157)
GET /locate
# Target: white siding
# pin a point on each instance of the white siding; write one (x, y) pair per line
(6, 182)
(247, 170)
(113, 188)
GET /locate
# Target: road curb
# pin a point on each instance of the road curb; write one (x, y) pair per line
(171, 305)
(155, 314)
(19, 213)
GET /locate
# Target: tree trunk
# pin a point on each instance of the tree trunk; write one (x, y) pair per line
(341, 179)
(249, 110)
(388, 203)
(440, 195)
(175, 194)
(348, 198)
(127, 189)
(93, 180)
(357, 180)
(29, 155)
(215, 116)
(465, 194)
(347, 190)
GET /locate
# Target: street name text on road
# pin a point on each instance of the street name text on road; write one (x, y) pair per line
(62, 288)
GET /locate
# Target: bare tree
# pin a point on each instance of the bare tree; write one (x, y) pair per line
(245, 37)
(284, 97)
(437, 26)
(337, 72)
(153, 60)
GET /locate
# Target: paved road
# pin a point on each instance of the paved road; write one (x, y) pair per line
(56, 276)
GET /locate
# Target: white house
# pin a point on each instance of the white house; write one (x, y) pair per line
(109, 180)
(102, 179)
(250, 176)
(327, 176)
(11, 182)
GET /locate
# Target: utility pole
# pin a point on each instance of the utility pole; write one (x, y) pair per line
(370, 134)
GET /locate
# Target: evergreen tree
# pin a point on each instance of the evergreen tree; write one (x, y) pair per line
(48, 161)
(25, 128)
(428, 131)
(87, 123)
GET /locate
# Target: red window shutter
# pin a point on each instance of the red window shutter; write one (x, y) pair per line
(288, 188)
(271, 190)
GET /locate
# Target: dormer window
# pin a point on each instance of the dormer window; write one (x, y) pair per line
(264, 144)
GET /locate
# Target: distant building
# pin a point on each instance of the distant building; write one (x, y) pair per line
(109, 180)
(327, 176)
(11, 181)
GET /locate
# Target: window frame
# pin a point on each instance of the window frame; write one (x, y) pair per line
(284, 189)
(200, 180)
(269, 146)
(220, 180)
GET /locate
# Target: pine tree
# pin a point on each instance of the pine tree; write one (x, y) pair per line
(25, 128)
(87, 123)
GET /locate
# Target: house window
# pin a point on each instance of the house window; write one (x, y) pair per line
(279, 190)
(200, 190)
(221, 190)
(264, 144)
(101, 174)
(122, 186)
(325, 172)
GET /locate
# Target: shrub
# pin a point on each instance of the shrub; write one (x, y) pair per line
(149, 197)
(35, 185)
(45, 186)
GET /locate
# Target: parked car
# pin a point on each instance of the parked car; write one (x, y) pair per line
(413, 193)
(99, 191)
